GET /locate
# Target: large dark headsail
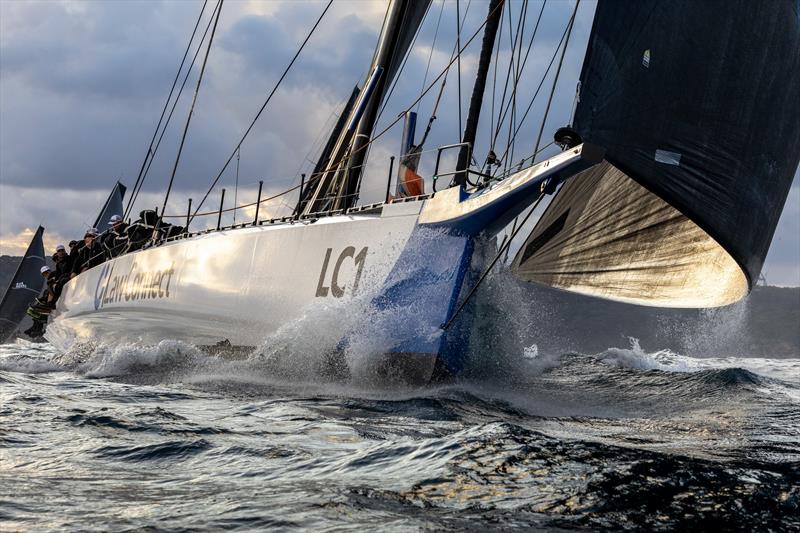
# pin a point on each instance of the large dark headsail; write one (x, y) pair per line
(696, 106)
(113, 206)
(26, 285)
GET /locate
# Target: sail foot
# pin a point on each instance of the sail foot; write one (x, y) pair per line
(605, 235)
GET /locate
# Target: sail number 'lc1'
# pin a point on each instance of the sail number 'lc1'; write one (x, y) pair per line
(335, 289)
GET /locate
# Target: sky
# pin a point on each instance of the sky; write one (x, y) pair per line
(82, 84)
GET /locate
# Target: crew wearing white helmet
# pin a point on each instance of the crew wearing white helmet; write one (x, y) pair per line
(115, 240)
(91, 255)
(61, 260)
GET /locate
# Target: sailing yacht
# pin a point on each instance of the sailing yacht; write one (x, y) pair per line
(26, 285)
(672, 178)
(28, 282)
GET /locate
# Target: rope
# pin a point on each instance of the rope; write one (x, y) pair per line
(433, 47)
(236, 187)
(503, 112)
(191, 110)
(535, 94)
(558, 72)
(502, 250)
(164, 110)
(271, 94)
(322, 173)
(458, 45)
(135, 194)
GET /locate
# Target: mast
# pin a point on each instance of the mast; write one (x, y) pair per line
(391, 49)
(471, 128)
(325, 156)
(338, 187)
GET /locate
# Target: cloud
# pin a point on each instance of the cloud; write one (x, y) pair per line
(83, 82)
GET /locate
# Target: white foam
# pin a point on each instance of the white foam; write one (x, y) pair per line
(107, 361)
(635, 357)
(28, 357)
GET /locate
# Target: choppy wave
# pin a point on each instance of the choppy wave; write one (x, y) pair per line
(170, 437)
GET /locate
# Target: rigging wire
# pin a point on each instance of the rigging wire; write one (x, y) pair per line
(135, 193)
(458, 46)
(191, 112)
(236, 186)
(513, 45)
(260, 111)
(536, 93)
(517, 74)
(525, 59)
(549, 101)
(150, 151)
(433, 47)
(402, 66)
(513, 41)
(494, 84)
(432, 118)
(380, 134)
(500, 253)
(558, 72)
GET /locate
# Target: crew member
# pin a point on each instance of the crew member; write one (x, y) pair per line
(62, 264)
(74, 248)
(116, 239)
(91, 255)
(40, 309)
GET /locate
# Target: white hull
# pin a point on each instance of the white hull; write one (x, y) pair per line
(237, 285)
(243, 285)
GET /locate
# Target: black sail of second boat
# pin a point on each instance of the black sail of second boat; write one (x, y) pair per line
(113, 206)
(26, 285)
(696, 106)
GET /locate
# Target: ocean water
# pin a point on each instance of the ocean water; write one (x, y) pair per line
(167, 438)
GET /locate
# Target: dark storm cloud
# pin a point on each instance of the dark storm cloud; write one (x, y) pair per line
(265, 45)
(113, 50)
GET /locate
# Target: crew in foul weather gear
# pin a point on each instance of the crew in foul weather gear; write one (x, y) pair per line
(115, 240)
(40, 308)
(61, 259)
(62, 272)
(90, 255)
(141, 232)
(74, 248)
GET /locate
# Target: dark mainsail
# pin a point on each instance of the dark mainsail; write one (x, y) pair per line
(113, 206)
(696, 106)
(26, 285)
